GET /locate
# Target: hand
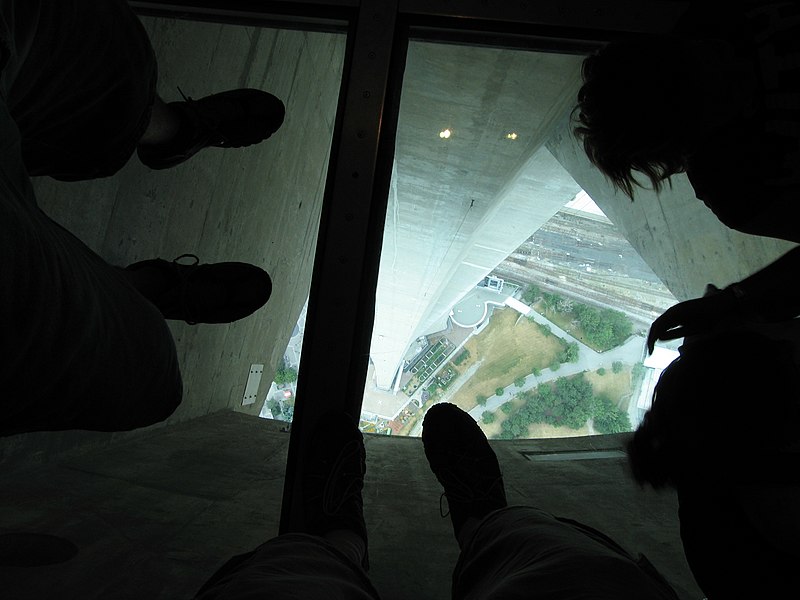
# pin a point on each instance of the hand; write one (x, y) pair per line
(693, 317)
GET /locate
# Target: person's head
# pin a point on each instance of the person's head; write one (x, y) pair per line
(635, 111)
(725, 398)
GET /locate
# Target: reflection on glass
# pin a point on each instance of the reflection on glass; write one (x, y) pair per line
(502, 287)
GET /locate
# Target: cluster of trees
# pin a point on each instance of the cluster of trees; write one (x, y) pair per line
(284, 412)
(275, 408)
(608, 418)
(604, 328)
(568, 402)
(285, 374)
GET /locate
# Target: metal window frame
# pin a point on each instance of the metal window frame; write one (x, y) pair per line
(341, 306)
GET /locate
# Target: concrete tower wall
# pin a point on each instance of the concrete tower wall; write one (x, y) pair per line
(676, 234)
(459, 206)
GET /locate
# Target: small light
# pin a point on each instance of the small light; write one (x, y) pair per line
(445, 133)
(511, 136)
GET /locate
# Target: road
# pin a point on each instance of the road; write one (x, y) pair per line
(588, 259)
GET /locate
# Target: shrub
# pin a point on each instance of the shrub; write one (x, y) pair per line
(601, 371)
(537, 372)
(285, 375)
(604, 328)
(531, 294)
(462, 356)
(519, 382)
(499, 391)
(488, 417)
(481, 399)
(555, 365)
(506, 408)
(609, 418)
(274, 407)
(616, 366)
(569, 353)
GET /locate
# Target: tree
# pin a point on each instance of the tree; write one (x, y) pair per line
(601, 371)
(499, 391)
(569, 353)
(274, 407)
(481, 399)
(506, 407)
(519, 382)
(604, 328)
(285, 375)
(488, 417)
(568, 402)
(577, 398)
(531, 294)
(608, 417)
(555, 365)
(550, 301)
(616, 366)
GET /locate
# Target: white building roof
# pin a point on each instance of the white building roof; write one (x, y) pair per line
(660, 358)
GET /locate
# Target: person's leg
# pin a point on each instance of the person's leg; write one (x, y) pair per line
(328, 560)
(164, 123)
(518, 549)
(464, 463)
(82, 90)
(508, 552)
(84, 95)
(290, 566)
(80, 347)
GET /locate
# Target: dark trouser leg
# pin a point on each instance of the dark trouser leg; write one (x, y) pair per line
(522, 552)
(291, 566)
(80, 348)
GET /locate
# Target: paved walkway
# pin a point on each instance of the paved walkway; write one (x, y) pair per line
(631, 352)
(588, 360)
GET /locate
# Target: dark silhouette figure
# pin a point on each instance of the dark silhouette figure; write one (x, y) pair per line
(723, 432)
(716, 99)
(84, 344)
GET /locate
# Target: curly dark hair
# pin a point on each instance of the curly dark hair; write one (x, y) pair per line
(634, 109)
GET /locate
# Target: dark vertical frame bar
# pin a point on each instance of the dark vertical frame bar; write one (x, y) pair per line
(334, 363)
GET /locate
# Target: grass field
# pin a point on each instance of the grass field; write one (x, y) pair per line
(614, 385)
(508, 348)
